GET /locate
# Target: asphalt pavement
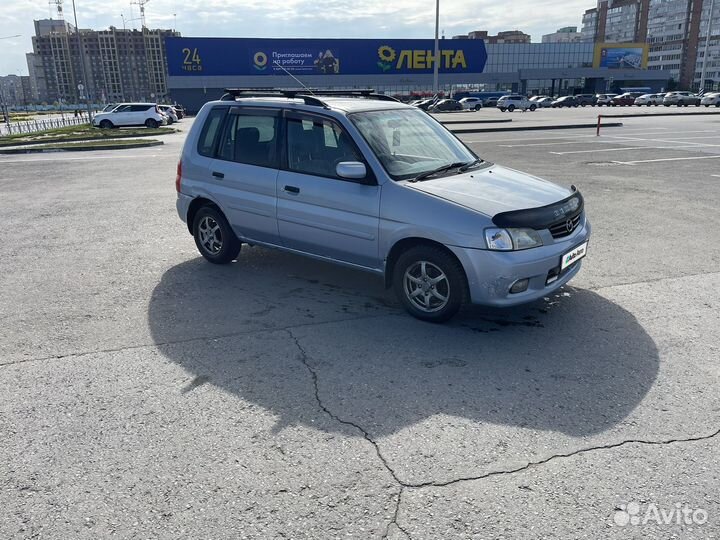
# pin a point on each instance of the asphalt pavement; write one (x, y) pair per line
(146, 393)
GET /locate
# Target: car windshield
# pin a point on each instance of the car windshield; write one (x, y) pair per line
(409, 143)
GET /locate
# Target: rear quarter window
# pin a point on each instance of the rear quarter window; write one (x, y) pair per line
(210, 131)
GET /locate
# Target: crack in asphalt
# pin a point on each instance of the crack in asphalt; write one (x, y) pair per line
(358, 427)
(409, 485)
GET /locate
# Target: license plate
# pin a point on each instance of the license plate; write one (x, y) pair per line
(573, 255)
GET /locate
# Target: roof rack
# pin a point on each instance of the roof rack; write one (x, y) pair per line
(308, 95)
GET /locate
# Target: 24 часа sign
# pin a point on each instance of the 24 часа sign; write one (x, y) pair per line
(239, 56)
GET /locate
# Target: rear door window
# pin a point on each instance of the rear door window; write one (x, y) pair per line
(251, 137)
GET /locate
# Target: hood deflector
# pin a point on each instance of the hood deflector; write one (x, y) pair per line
(543, 216)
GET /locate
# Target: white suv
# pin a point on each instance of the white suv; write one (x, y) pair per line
(131, 114)
(471, 103)
(514, 101)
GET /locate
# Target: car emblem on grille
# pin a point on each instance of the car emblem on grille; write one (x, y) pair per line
(569, 225)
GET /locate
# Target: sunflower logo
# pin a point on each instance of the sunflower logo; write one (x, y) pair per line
(387, 55)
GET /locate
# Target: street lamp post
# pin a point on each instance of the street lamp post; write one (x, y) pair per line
(707, 45)
(436, 63)
(82, 61)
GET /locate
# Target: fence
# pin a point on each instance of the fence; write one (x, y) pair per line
(32, 126)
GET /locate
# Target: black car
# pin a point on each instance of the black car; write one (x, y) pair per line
(447, 105)
(586, 99)
(565, 101)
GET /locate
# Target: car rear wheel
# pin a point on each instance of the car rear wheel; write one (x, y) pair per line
(106, 124)
(214, 237)
(478, 107)
(151, 123)
(511, 108)
(429, 283)
(533, 107)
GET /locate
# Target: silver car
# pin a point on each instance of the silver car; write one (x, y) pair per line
(365, 181)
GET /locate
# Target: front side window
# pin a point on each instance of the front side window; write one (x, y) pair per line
(408, 142)
(316, 145)
(250, 137)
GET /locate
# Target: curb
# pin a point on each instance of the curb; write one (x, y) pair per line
(78, 148)
(536, 128)
(500, 121)
(62, 140)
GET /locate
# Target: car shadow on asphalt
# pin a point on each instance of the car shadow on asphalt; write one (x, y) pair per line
(575, 363)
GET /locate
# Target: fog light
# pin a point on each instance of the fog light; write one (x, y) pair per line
(519, 286)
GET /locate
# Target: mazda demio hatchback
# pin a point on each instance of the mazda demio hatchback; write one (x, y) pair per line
(362, 180)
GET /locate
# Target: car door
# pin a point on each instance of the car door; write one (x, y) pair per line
(245, 171)
(121, 115)
(318, 212)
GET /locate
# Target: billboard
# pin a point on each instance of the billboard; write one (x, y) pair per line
(209, 57)
(621, 55)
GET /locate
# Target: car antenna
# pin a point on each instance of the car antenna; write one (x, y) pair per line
(293, 76)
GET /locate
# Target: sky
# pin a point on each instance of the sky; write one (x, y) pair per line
(291, 18)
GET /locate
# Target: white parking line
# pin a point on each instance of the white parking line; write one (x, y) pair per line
(664, 159)
(691, 146)
(88, 158)
(558, 137)
(715, 175)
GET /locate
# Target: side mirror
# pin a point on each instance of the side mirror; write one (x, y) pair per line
(352, 170)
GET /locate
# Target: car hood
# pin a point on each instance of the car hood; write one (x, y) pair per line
(493, 189)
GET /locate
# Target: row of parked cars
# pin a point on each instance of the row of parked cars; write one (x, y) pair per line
(150, 115)
(512, 102)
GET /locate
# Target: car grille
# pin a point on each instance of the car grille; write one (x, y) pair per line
(561, 229)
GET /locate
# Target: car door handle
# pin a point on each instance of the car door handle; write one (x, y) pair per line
(292, 189)
(218, 174)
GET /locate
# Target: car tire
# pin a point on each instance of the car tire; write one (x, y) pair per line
(478, 107)
(106, 124)
(533, 107)
(214, 237)
(511, 108)
(413, 276)
(151, 123)
(502, 109)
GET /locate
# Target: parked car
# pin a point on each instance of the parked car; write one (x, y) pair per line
(425, 104)
(446, 105)
(131, 114)
(544, 102)
(586, 99)
(623, 100)
(376, 185)
(515, 101)
(711, 99)
(179, 110)
(681, 99)
(471, 103)
(169, 112)
(564, 101)
(490, 101)
(604, 99)
(649, 99)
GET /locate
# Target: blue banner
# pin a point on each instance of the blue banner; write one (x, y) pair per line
(245, 56)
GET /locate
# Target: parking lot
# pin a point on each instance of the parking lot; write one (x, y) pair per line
(149, 394)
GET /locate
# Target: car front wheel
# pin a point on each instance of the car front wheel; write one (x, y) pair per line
(429, 283)
(151, 123)
(511, 108)
(106, 124)
(214, 237)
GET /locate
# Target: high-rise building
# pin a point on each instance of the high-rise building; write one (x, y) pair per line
(121, 65)
(509, 36)
(568, 34)
(15, 90)
(675, 30)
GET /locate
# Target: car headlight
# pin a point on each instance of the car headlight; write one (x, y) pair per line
(512, 239)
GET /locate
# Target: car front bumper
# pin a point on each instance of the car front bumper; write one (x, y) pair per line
(491, 273)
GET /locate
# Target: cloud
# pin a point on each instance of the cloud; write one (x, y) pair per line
(293, 18)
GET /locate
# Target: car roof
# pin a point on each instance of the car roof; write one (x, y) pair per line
(344, 104)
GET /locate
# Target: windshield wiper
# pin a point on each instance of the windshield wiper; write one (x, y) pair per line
(470, 164)
(432, 172)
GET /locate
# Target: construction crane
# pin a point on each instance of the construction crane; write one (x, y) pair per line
(141, 5)
(58, 6)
